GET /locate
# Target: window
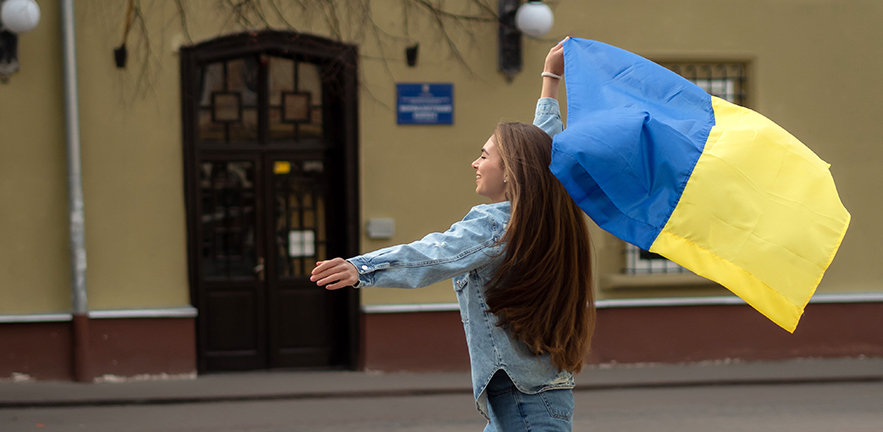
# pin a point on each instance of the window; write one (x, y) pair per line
(724, 80)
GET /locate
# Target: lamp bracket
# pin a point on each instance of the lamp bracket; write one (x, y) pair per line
(510, 61)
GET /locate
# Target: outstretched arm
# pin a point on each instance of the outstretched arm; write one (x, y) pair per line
(469, 244)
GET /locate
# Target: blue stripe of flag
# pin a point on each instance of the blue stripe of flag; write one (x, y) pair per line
(634, 133)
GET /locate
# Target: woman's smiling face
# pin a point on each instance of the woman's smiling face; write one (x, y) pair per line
(489, 174)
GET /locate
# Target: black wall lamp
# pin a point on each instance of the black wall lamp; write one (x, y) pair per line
(16, 16)
(533, 18)
(411, 54)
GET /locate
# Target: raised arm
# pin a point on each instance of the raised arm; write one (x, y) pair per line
(548, 113)
(553, 71)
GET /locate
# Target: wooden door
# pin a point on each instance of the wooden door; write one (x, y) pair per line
(270, 171)
(299, 217)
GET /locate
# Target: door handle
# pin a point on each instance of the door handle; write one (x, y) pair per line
(259, 269)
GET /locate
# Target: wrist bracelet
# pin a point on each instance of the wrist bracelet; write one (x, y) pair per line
(551, 75)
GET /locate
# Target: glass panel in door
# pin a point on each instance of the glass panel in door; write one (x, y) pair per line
(228, 101)
(300, 216)
(295, 96)
(227, 216)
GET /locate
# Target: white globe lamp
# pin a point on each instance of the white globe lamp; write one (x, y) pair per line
(534, 18)
(19, 16)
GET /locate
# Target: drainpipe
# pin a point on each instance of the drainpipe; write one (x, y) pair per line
(80, 307)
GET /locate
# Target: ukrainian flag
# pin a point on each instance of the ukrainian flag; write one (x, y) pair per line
(715, 187)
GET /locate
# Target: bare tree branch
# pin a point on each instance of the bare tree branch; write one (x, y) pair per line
(183, 17)
(349, 21)
(491, 16)
(282, 16)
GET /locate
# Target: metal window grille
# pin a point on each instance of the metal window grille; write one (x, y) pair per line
(724, 80)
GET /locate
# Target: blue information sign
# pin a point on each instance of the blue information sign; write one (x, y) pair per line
(425, 103)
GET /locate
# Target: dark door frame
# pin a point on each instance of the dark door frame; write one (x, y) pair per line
(343, 98)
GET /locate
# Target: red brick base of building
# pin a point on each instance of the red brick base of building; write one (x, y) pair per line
(122, 347)
(435, 341)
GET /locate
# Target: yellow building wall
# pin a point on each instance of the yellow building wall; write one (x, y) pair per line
(34, 253)
(813, 69)
(133, 171)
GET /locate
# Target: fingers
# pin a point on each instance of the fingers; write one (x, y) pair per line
(338, 285)
(325, 270)
(559, 46)
(334, 274)
(555, 59)
(324, 266)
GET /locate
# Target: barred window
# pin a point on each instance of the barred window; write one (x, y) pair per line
(725, 80)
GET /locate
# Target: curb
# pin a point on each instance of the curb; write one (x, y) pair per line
(164, 400)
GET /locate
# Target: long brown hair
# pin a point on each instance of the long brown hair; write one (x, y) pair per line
(542, 290)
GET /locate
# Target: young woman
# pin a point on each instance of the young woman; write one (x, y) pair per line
(521, 270)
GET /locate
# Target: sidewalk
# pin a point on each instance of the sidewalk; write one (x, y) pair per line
(331, 384)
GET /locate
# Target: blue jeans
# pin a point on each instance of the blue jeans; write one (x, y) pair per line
(511, 410)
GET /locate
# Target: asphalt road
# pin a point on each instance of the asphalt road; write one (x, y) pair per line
(840, 407)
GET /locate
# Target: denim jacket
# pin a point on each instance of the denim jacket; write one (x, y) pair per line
(548, 116)
(468, 252)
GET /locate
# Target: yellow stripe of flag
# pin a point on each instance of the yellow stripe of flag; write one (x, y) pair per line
(760, 215)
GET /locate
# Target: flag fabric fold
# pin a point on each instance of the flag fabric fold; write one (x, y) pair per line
(715, 187)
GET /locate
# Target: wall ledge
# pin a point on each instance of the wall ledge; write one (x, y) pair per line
(640, 302)
(182, 312)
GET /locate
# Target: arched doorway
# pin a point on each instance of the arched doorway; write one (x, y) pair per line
(270, 156)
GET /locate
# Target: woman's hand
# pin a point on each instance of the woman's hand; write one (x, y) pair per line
(555, 59)
(554, 64)
(337, 272)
